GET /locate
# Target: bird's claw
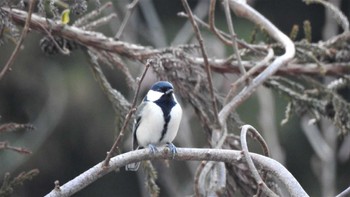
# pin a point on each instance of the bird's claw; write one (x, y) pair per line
(153, 149)
(172, 149)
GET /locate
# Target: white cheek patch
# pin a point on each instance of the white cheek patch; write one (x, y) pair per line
(153, 95)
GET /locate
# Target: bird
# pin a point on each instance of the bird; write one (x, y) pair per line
(157, 120)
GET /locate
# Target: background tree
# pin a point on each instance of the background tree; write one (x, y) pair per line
(216, 62)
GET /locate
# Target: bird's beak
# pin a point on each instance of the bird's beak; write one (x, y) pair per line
(169, 91)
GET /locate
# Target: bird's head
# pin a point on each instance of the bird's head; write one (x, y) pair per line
(160, 89)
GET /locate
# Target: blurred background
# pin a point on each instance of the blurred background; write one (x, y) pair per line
(75, 123)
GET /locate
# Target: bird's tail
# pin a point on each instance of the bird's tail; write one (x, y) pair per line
(132, 166)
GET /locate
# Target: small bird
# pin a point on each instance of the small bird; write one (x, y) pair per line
(157, 120)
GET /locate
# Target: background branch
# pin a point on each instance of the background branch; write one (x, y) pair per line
(20, 41)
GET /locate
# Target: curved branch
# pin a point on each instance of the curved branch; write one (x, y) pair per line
(184, 154)
(344, 193)
(261, 183)
(244, 10)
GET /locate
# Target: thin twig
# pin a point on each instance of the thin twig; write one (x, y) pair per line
(130, 9)
(185, 33)
(206, 63)
(233, 38)
(90, 16)
(212, 27)
(196, 179)
(10, 127)
(250, 73)
(20, 41)
(338, 15)
(128, 117)
(226, 41)
(21, 150)
(63, 51)
(196, 154)
(99, 22)
(261, 183)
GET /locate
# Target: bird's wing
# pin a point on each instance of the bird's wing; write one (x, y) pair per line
(137, 122)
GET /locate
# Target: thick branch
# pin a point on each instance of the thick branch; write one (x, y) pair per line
(86, 38)
(184, 154)
(142, 53)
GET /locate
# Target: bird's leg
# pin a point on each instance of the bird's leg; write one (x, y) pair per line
(153, 148)
(172, 149)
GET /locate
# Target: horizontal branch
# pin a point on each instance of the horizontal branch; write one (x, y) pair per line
(230, 156)
(86, 38)
(331, 69)
(142, 53)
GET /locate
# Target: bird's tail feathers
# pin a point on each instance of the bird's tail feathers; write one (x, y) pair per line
(133, 166)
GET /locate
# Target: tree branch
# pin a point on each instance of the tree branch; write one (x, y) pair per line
(183, 154)
(259, 180)
(142, 53)
(206, 63)
(244, 10)
(128, 116)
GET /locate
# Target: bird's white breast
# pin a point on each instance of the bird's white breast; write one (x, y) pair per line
(152, 123)
(173, 125)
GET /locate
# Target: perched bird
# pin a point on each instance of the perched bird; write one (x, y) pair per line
(157, 120)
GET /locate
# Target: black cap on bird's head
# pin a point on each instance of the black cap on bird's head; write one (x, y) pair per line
(163, 87)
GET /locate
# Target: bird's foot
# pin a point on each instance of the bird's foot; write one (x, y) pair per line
(153, 149)
(172, 149)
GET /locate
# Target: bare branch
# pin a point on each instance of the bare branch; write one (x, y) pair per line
(261, 183)
(141, 53)
(128, 117)
(212, 24)
(197, 186)
(233, 37)
(184, 154)
(246, 11)
(90, 16)
(206, 63)
(130, 8)
(10, 127)
(21, 150)
(251, 72)
(338, 15)
(186, 32)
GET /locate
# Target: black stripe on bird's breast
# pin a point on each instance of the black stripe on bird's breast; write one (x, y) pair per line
(166, 105)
